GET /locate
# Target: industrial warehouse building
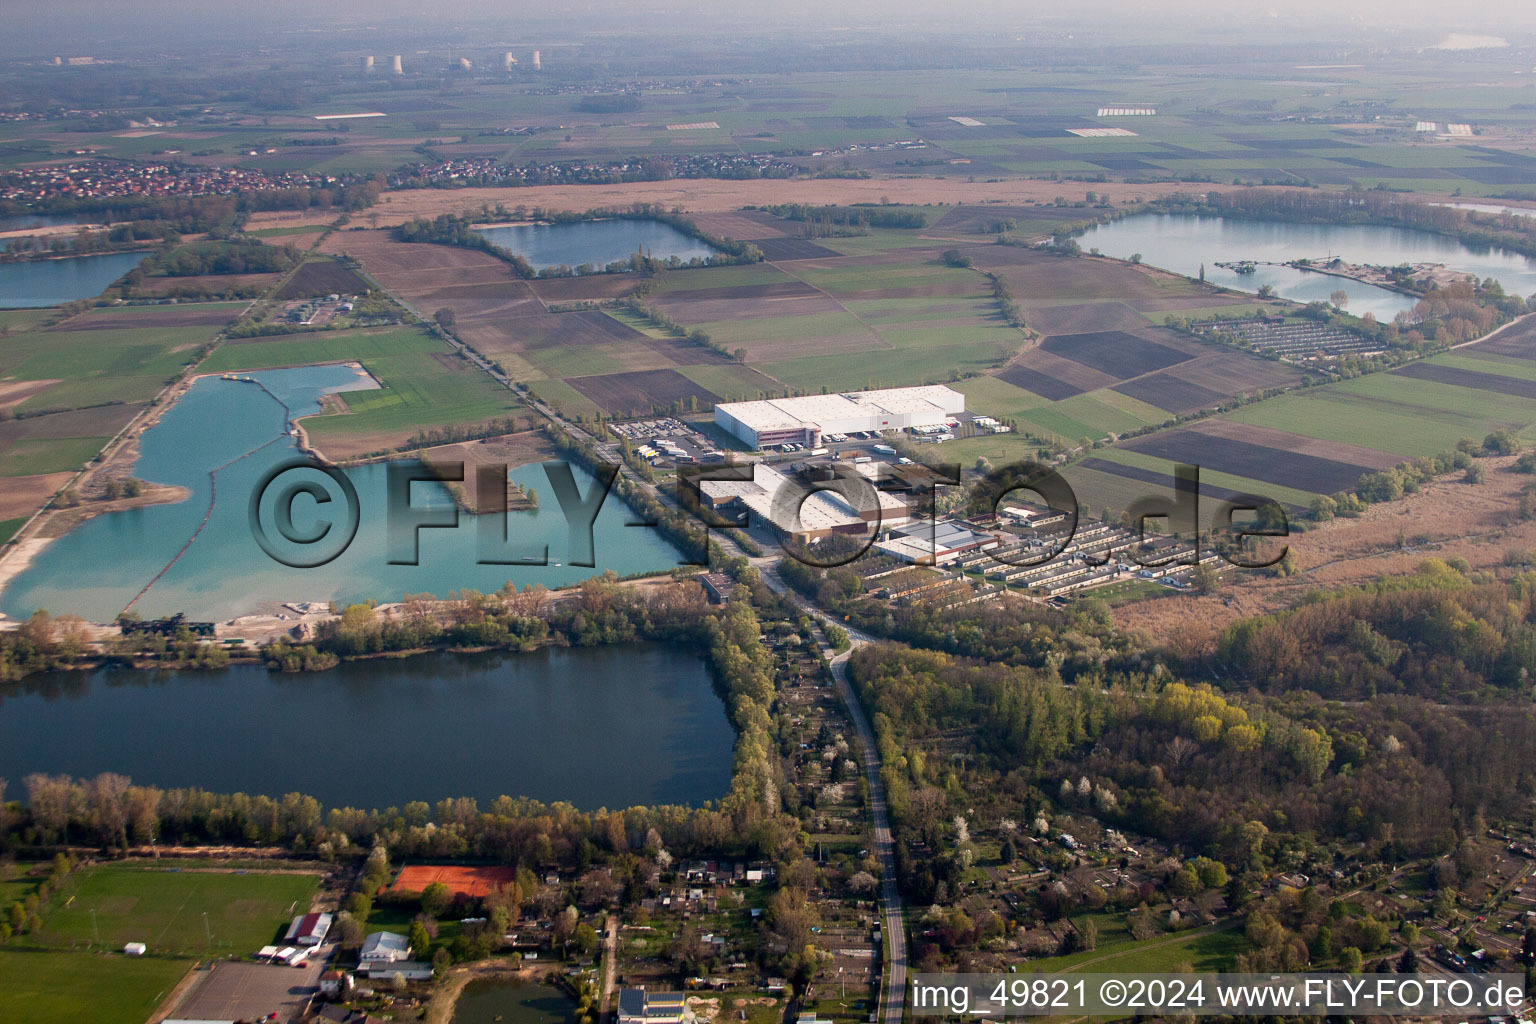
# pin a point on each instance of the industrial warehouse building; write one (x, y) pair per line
(785, 505)
(806, 419)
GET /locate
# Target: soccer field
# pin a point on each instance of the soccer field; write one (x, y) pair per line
(166, 909)
(40, 987)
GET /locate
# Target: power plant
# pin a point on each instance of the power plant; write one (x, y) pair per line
(464, 64)
(507, 60)
(367, 63)
(536, 65)
(396, 66)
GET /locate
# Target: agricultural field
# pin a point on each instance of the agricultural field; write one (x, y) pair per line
(68, 387)
(44, 987)
(165, 908)
(423, 384)
(1321, 440)
(110, 354)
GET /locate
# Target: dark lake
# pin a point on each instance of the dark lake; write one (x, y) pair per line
(596, 727)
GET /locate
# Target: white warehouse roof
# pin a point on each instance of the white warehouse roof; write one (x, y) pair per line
(896, 407)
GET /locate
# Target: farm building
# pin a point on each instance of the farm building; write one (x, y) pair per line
(805, 419)
(308, 929)
(637, 1006)
(385, 948)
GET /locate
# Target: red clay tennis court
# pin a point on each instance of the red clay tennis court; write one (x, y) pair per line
(474, 882)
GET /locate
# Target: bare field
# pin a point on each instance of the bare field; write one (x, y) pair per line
(1084, 317)
(1443, 519)
(640, 392)
(702, 195)
(751, 224)
(1286, 441)
(24, 495)
(191, 315)
(205, 282)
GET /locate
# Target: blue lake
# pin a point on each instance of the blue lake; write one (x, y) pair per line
(238, 431)
(1182, 242)
(33, 283)
(598, 242)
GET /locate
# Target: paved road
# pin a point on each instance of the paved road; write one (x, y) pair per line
(893, 931)
(893, 926)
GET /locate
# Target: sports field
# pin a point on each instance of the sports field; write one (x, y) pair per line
(47, 987)
(467, 880)
(166, 908)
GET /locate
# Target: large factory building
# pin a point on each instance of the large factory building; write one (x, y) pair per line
(805, 420)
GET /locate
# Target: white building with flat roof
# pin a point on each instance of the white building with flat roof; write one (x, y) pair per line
(804, 420)
(784, 504)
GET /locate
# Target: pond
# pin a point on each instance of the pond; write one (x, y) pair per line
(597, 727)
(1182, 242)
(598, 242)
(218, 441)
(29, 284)
(513, 1002)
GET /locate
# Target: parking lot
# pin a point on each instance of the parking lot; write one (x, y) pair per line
(237, 990)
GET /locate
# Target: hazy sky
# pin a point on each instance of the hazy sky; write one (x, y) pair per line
(35, 25)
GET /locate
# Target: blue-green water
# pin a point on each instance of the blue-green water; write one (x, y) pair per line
(598, 242)
(1182, 242)
(99, 567)
(596, 727)
(33, 283)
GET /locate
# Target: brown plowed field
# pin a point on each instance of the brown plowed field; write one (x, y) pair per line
(24, 495)
(1166, 391)
(791, 249)
(205, 282)
(589, 288)
(1039, 383)
(1338, 451)
(1235, 373)
(747, 224)
(1083, 318)
(620, 393)
(1518, 341)
(1117, 353)
(194, 315)
(1315, 474)
(1494, 382)
(322, 278)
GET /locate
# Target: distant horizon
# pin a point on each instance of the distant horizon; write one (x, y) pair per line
(74, 27)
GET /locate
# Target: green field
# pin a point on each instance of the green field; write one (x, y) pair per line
(424, 385)
(1117, 952)
(49, 455)
(38, 987)
(1403, 415)
(93, 367)
(165, 909)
